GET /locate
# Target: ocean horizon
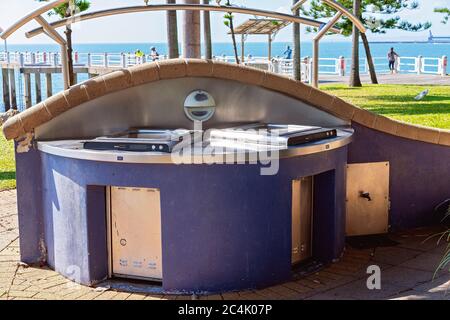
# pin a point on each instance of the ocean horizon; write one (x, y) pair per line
(327, 49)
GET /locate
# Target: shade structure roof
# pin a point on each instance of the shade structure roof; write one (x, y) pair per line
(261, 26)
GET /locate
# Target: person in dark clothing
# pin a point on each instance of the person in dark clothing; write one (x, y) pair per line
(154, 54)
(288, 53)
(392, 58)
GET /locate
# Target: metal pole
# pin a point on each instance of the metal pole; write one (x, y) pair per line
(270, 47)
(316, 40)
(315, 63)
(6, 50)
(65, 66)
(242, 48)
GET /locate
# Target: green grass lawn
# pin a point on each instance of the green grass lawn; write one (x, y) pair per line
(7, 166)
(397, 102)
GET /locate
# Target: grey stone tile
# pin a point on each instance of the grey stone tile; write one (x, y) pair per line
(417, 295)
(425, 261)
(394, 255)
(358, 290)
(405, 276)
(438, 285)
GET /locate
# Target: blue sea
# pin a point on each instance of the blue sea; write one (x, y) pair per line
(256, 49)
(327, 49)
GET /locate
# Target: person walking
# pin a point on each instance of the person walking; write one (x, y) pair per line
(392, 58)
(288, 53)
(154, 54)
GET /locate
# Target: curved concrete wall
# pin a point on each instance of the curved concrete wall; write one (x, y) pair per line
(419, 174)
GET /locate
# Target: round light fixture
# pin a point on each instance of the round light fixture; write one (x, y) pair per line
(199, 106)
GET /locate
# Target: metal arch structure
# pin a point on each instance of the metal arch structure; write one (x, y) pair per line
(339, 8)
(341, 11)
(180, 7)
(47, 29)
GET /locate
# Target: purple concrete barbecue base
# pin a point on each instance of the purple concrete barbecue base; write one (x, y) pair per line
(419, 174)
(228, 227)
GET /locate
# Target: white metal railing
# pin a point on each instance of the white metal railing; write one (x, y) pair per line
(327, 66)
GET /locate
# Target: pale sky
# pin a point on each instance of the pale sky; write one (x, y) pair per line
(150, 26)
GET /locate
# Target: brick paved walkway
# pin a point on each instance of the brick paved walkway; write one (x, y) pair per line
(407, 271)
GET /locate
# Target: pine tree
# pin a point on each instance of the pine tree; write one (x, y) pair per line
(378, 16)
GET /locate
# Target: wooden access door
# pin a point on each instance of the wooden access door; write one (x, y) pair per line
(367, 198)
(302, 209)
(135, 233)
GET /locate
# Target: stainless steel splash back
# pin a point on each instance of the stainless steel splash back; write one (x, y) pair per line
(160, 105)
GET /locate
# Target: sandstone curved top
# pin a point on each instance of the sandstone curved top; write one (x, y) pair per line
(43, 112)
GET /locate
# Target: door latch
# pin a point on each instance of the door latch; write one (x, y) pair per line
(365, 195)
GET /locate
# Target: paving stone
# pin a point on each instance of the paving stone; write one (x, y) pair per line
(149, 297)
(329, 275)
(20, 287)
(425, 261)
(416, 295)
(122, 296)
(107, 295)
(214, 297)
(89, 295)
(230, 296)
(394, 255)
(297, 286)
(405, 276)
(250, 296)
(357, 290)
(22, 294)
(311, 282)
(77, 294)
(47, 296)
(269, 294)
(136, 296)
(419, 242)
(437, 285)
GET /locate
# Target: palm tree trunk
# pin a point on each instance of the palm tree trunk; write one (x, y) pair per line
(233, 36)
(297, 54)
(68, 33)
(207, 32)
(172, 32)
(373, 74)
(355, 80)
(191, 29)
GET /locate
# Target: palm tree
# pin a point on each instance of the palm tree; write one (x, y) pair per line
(297, 54)
(207, 32)
(355, 80)
(192, 32)
(68, 10)
(172, 32)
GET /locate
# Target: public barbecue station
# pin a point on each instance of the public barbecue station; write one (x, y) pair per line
(199, 176)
